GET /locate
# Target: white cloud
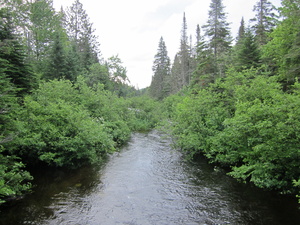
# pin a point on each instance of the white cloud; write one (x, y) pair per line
(132, 28)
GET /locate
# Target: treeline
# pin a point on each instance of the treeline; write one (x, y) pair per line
(241, 107)
(208, 58)
(61, 104)
(60, 45)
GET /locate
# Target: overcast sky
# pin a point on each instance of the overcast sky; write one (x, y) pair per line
(132, 28)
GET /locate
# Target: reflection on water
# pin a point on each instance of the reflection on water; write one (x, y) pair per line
(148, 182)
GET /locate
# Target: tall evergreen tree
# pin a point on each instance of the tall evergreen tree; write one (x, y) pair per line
(13, 57)
(160, 85)
(265, 20)
(247, 52)
(7, 103)
(218, 33)
(73, 61)
(241, 30)
(184, 55)
(81, 32)
(204, 71)
(57, 63)
(198, 34)
(175, 75)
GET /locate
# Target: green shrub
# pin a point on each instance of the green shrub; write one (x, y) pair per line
(61, 134)
(13, 179)
(247, 123)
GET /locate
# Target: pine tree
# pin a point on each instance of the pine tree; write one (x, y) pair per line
(218, 32)
(265, 20)
(160, 85)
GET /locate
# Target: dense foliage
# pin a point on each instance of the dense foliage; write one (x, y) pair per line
(246, 123)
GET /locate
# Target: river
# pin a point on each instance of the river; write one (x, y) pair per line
(148, 183)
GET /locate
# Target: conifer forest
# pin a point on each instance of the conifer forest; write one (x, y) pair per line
(233, 98)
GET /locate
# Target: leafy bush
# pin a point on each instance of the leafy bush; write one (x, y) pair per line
(247, 123)
(261, 141)
(119, 131)
(145, 113)
(197, 118)
(13, 179)
(61, 134)
(58, 127)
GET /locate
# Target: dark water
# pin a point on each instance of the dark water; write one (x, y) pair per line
(149, 183)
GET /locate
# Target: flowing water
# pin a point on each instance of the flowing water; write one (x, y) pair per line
(148, 182)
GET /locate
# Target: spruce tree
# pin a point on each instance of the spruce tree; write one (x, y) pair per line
(247, 52)
(73, 61)
(218, 33)
(241, 30)
(204, 71)
(198, 34)
(7, 103)
(160, 85)
(184, 55)
(13, 57)
(265, 20)
(293, 59)
(175, 75)
(57, 65)
(81, 32)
